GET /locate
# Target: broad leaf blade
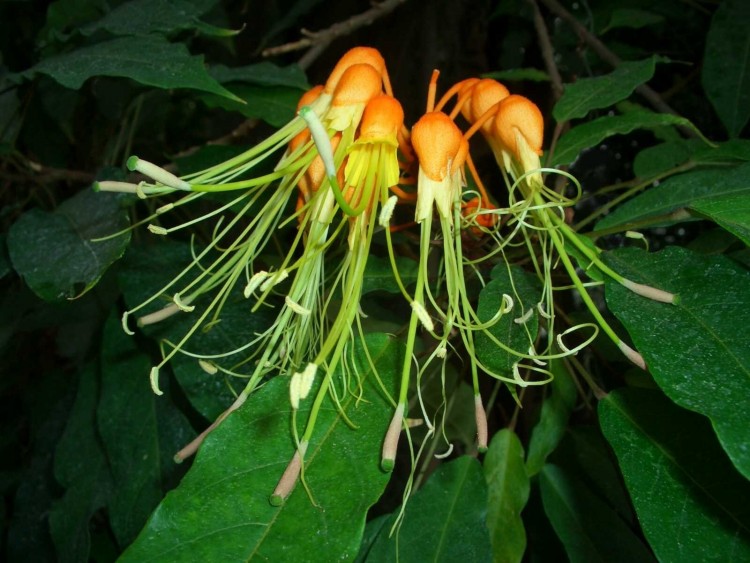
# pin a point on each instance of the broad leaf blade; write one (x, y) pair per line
(726, 64)
(681, 191)
(276, 105)
(444, 520)
(589, 529)
(507, 493)
(690, 500)
(147, 59)
(697, 350)
(588, 94)
(731, 211)
(221, 511)
(54, 252)
(594, 132)
(141, 456)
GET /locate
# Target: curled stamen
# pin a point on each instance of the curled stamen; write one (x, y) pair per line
(542, 311)
(523, 319)
(532, 352)
(294, 390)
(255, 282)
(157, 230)
(441, 351)
(154, 379)
(387, 211)
(274, 279)
(563, 347)
(507, 304)
(209, 367)
(296, 307)
(307, 379)
(185, 307)
(423, 315)
(165, 208)
(157, 173)
(446, 453)
(124, 323)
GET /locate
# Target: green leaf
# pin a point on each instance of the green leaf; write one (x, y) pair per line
(507, 493)
(147, 59)
(655, 160)
(592, 133)
(553, 419)
(54, 252)
(262, 74)
(525, 291)
(697, 349)
(631, 18)
(588, 528)
(680, 191)
(139, 456)
(220, 511)
(599, 92)
(276, 105)
(518, 74)
(81, 468)
(731, 211)
(443, 521)
(141, 17)
(726, 65)
(690, 500)
(379, 274)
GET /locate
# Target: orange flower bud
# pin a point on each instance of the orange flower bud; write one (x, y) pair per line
(486, 220)
(310, 96)
(484, 94)
(517, 113)
(439, 144)
(357, 55)
(381, 120)
(358, 85)
(316, 172)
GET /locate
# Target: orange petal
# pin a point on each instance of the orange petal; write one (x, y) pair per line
(357, 55)
(316, 172)
(438, 142)
(485, 94)
(310, 96)
(519, 113)
(381, 120)
(358, 85)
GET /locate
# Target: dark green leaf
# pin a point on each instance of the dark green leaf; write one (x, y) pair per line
(632, 18)
(690, 500)
(524, 289)
(697, 349)
(147, 59)
(54, 252)
(289, 18)
(507, 493)
(379, 274)
(518, 74)
(588, 528)
(443, 521)
(141, 17)
(658, 159)
(276, 105)
(373, 529)
(81, 468)
(553, 419)
(726, 64)
(681, 191)
(594, 132)
(155, 431)
(221, 511)
(731, 211)
(588, 94)
(262, 74)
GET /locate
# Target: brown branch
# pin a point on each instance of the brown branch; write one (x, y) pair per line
(317, 41)
(545, 46)
(606, 55)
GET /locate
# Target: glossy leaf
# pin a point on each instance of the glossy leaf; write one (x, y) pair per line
(553, 419)
(588, 528)
(81, 468)
(632, 18)
(681, 191)
(525, 291)
(54, 252)
(443, 521)
(141, 17)
(592, 133)
(262, 74)
(147, 59)
(697, 349)
(507, 493)
(141, 457)
(660, 158)
(587, 94)
(379, 274)
(276, 105)
(690, 500)
(726, 67)
(730, 211)
(221, 510)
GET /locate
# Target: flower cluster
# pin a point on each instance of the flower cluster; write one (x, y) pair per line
(348, 160)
